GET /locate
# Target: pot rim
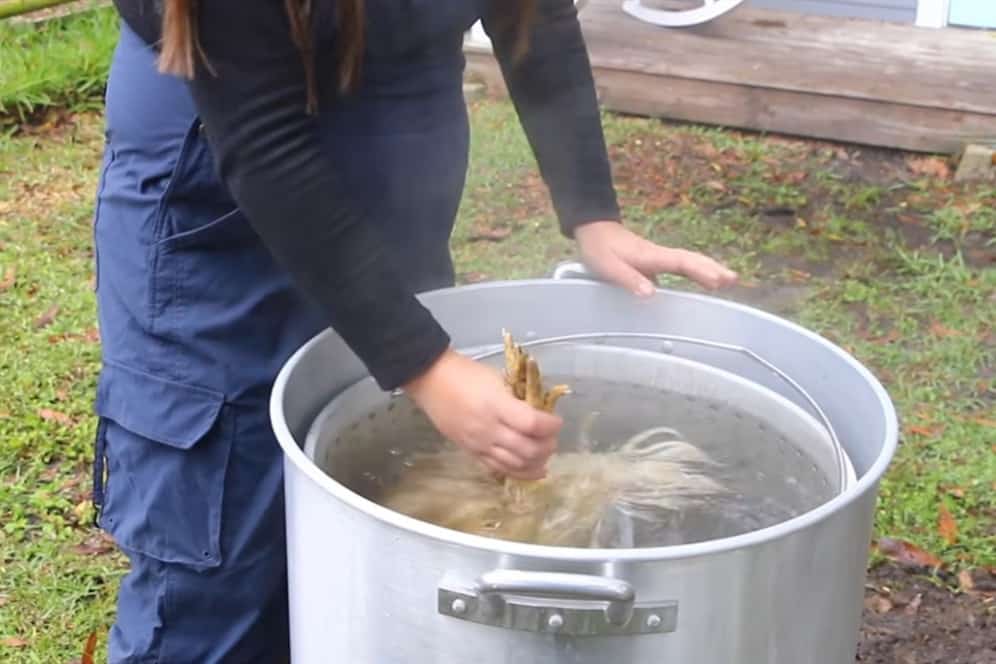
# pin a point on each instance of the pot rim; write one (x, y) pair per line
(295, 455)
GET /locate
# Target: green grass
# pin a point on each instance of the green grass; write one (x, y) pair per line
(52, 596)
(925, 329)
(911, 305)
(60, 63)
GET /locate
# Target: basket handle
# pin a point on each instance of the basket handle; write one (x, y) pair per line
(573, 270)
(602, 337)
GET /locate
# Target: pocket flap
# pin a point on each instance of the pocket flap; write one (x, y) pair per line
(166, 411)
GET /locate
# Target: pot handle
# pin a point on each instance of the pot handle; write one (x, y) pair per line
(581, 587)
(573, 270)
(553, 602)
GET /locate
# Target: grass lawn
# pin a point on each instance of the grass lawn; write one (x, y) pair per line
(877, 251)
(58, 63)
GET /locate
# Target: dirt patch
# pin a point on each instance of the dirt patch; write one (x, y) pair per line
(909, 619)
(846, 199)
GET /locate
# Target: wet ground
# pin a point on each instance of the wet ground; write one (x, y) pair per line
(914, 619)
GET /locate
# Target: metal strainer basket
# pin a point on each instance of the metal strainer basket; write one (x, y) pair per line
(777, 460)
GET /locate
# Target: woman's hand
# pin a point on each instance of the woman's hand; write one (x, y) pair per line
(621, 256)
(470, 405)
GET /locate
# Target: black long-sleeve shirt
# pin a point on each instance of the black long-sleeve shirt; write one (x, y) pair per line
(268, 154)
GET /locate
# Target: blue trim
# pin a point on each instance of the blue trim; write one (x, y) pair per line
(973, 13)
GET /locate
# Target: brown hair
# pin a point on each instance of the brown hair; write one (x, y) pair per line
(181, 46)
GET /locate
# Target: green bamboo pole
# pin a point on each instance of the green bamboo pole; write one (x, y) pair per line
(10, 8)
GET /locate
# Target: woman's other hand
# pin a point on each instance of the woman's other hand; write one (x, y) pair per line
(620, 256)
(470, 405)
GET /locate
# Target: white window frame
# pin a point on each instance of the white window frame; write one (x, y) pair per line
(932, 13)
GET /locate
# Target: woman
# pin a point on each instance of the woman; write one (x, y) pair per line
(273, 168)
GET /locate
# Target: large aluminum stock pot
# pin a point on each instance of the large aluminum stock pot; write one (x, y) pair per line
(370, 586)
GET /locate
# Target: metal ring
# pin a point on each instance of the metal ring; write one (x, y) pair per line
(587, 336)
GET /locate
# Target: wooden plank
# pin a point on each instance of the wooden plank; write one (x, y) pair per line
(804, 114)
(742, 24)
(865, 60)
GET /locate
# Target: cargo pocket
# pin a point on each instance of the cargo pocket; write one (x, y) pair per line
(167, 446)
(195, 199)
(203, 245)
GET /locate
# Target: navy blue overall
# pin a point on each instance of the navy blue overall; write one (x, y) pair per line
(196, 320)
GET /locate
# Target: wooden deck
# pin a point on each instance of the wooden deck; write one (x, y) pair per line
(847, 80)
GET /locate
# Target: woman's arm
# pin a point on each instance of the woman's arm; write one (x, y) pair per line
(554, 94)
(252, 103)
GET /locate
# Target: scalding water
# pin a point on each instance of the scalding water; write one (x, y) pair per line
(583, 493)
(620, 478)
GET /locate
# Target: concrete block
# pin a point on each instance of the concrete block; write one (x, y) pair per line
(978, 162)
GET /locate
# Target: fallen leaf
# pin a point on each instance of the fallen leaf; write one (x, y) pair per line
(716, 185)
(955, 491)
(965, 581)
(92, 549)
(89, 649)
(907, 554)
(490, 234)
(9, 279)
(799, 276)
(914, 605)
(986, 423)
(925, 431)
(968, 207)
(707, 150)
(50, 473)
(13, 642)
(95, 545)
(55, 416)
(61, 394)
(942, 331)
(473, 277)
(980, 580)
(82, 510)
(930, 166)
(4, 599)
(878, 604)
(47, 318)
(92, 336)
(889, 337)
(659, 199)
(946, 525)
